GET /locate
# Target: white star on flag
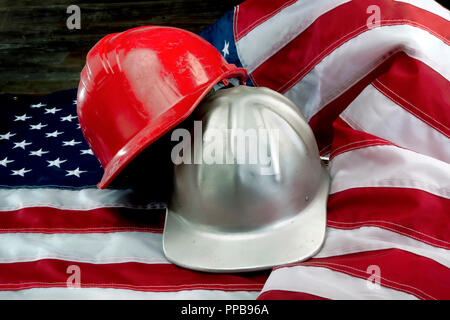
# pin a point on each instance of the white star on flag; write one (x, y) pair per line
(74, 102)
(38, 153)
(20, 172)
(225, 49)
(68, 118)
(5, 162)
(52, 110)
(78, 126)
(55, 162)
(38, 105)
(38, 126)
(75, 172)
(22, 144)
(53, 134)
(70, 143)
(87, 151)
(22, 118)
(6, 136)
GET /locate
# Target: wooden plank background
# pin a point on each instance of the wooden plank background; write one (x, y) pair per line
(39, 54)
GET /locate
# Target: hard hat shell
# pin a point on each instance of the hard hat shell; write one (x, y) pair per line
(138, 84)
(230, 217)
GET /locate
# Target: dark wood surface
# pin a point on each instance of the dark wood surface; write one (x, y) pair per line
(39, 54)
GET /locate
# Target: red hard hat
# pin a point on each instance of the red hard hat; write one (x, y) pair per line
(138, 84)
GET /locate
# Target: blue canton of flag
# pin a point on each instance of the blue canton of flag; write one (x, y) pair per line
(42, 145)
(220, 35)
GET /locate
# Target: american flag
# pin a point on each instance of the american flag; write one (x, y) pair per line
(371, 77)
(42, 145)
(55, 222)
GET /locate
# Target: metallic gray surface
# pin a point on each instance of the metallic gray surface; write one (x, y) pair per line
(229, 217)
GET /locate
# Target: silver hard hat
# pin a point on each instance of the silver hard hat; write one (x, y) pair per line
(244, 216)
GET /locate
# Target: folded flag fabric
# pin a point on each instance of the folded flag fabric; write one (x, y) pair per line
(372, 79)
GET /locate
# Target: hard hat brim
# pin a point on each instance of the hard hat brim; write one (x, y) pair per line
(199, 248)
(160, 126)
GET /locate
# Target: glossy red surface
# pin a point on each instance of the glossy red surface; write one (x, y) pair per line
(138, 84)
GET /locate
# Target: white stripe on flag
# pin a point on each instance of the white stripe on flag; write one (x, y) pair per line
(121, 294)
(329, 284)
(356, 58)
(101, 248)
(273, 34)
(83, 199)
(374, 113)
(340, 242)
(367, 167)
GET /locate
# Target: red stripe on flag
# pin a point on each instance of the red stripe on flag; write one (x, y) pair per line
(322, 122)
(411, 212)
(293, 62)
(287, 295)
(51, 220)
(251, 13)
(346, 139)
(399, 270)
(132, 276)
(425, 96)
